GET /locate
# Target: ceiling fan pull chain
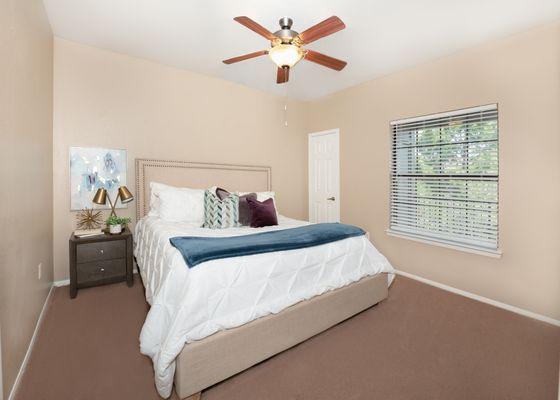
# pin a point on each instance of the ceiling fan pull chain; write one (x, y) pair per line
(286, 71)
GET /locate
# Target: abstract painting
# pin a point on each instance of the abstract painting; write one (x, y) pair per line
(92, 168)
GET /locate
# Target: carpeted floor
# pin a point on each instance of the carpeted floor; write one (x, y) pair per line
(421, 343)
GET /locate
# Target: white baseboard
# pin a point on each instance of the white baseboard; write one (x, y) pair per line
(1, 374)
(66, 282)
(482, 299)
(30, 347)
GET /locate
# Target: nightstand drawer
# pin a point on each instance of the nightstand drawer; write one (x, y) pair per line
(101, 270)
(88, 252)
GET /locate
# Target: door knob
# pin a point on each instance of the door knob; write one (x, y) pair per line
(331, 198)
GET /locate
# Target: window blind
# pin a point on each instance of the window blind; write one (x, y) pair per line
(444, 177)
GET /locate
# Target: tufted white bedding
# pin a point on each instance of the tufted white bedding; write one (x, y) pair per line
(191, 304)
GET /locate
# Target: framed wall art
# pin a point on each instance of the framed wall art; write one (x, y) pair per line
(92, 168)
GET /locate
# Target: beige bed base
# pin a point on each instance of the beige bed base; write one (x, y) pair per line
(206, 362)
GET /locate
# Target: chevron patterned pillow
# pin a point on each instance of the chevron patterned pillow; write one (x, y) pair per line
(220, 214)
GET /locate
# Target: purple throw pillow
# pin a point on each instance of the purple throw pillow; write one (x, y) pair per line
(244, 210)
(263, 213)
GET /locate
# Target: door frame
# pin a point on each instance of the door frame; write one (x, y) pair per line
(336, 132)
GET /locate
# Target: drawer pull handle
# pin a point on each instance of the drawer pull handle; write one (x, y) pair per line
(101, 251)
(102, 269)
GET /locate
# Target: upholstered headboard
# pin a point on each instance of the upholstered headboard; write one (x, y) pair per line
(244, 178)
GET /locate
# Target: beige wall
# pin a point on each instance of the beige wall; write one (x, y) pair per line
(25, 175)
(522, 75)
(106, 99)
(110, 100)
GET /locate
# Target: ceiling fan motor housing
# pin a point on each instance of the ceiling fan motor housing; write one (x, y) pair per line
(285, 23)
(286, 34)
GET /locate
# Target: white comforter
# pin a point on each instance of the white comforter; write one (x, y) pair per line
(191, 304)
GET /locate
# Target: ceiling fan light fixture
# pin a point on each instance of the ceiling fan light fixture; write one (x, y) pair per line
(287, 45)
(286, 55)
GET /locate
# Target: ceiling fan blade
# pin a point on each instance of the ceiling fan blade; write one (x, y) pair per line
(282, 75)
(326, 61)
(255, 27)
(245, 57)
(322, 29)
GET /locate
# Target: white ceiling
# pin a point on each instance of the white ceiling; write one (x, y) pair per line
(381, 36)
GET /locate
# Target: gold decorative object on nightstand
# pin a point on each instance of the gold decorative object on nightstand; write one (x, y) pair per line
(88, 219)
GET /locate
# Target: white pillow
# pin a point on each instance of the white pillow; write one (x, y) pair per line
(182, 206)
(155, 189)
(261, 196)
(176, 204)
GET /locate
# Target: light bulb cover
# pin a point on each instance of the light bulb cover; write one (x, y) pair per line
(286, 55)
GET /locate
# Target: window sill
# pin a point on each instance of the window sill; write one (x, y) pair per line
(448, 245)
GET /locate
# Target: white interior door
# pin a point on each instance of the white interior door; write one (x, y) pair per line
(324, 177)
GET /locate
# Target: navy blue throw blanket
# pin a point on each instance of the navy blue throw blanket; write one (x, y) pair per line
(196, 249)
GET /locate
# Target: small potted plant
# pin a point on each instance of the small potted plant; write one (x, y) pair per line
(116, 224)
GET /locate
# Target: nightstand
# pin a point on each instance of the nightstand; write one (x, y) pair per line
(99, 260)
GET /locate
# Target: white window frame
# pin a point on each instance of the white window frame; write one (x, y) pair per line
(430, 239)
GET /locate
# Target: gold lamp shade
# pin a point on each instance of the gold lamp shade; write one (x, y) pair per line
(125, 195)
(100, 196)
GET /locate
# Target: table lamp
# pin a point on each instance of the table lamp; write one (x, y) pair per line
(101, 197)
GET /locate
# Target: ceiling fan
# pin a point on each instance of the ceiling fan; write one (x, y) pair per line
(286, 45)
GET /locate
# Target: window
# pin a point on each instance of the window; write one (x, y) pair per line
(444, 178)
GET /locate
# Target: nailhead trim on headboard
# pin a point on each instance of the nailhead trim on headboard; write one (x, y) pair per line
(142, 203)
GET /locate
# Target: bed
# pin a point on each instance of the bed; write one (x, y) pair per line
(210, 322)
